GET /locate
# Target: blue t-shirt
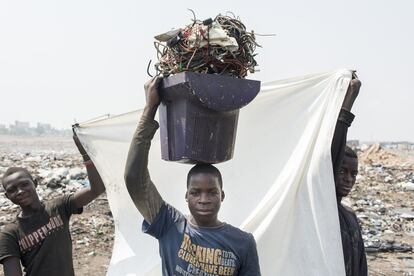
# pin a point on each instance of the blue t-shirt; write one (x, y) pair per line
(186, 249)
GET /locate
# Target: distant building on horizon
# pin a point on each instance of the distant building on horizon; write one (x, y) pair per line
(403, 145)
(20, 128)
(3, 129)
(43, 128)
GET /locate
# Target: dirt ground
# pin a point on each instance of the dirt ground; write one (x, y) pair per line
(92, 251)
(383, 174)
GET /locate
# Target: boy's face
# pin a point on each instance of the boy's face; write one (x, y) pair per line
(204, 196)
(20, 189)
(346, 176)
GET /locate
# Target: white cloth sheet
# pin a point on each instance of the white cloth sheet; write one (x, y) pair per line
(279, 185)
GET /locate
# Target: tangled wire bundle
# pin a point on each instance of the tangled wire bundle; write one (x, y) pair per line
(198, 48)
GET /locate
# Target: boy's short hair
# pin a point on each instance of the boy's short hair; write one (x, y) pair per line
(13, 170)
(349, 152)
(207, 169)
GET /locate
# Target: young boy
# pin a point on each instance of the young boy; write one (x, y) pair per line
(39, 238)
(345, 165)
(196, 245)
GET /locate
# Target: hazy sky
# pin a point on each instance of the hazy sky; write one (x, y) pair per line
(66, 60)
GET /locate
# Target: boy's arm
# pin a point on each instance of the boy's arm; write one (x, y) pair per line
(143, 192)
(86, 195)
(11, 267)
(344, 121)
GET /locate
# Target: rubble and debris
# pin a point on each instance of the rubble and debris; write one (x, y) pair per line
(383, 201)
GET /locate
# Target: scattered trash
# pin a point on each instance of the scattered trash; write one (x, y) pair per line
(407, 186)
(383, 202)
